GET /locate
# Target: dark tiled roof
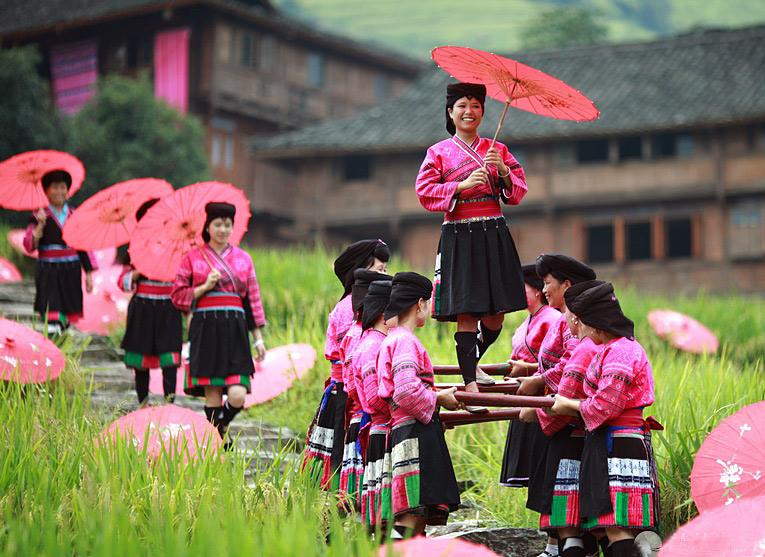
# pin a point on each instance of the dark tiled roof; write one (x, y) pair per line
(690, 81)
(24, 18)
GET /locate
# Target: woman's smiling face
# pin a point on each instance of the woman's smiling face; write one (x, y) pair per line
(466, 113)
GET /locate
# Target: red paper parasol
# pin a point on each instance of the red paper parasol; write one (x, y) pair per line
(733, 531)
(20, 178)
(9, 272)
(26, 356)
(107, 219)
(682, 331)
(174, 226)
(16, 239)
(731, 461)
(515, 84)
(437, 547)
(170, 428)
(105, 308)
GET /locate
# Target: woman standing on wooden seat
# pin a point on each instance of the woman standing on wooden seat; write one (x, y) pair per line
(478, 274)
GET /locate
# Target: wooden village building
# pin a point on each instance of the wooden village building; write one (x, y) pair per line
(665, 191)
(243, 67)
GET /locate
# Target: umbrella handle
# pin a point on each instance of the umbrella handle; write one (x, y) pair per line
(204, 255)
(499, 127)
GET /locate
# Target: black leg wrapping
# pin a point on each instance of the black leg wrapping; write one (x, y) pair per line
(571, 547)
(229, 413)
(467, 354)
(214, 414)
(486, 337)
(169, 380)
(624, 548)
(142, 384)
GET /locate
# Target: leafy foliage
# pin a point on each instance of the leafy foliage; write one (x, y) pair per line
(125, 133)
(563, 26)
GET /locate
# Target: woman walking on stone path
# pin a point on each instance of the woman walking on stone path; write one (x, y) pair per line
(217, 283)
(618, 489)
(326, 434)
(477, 273)
(423, 487)
(154, 331)
(58, 272)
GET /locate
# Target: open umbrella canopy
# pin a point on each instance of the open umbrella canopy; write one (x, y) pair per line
(171, 429)
(16, 240)
(9, 272)
(21, 177)
(107, 219)
(731, 530)
(682, 331)
(730, 464)
(26, 356)
(174, 226)
(435, 547)
(514, 83)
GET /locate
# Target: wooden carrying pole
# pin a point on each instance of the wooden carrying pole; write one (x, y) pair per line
(504, 401)
(489, 369)
(451, 419)
(507, 388)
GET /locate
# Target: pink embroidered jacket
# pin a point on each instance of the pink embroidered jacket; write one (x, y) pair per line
(555, 351)
(365, 376)
(618, 378)
(347, 351)
(449, 162)
(571, 384)
(405, 374)
(193, 271)
(528, 337)
(340, 320)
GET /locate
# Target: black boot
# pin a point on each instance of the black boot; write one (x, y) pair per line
(142, 385)
(624, 548)
(467, 354)
(169, 381)
(486, 337)
(571, 547)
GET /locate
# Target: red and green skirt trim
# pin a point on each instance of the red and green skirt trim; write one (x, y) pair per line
(194, 386)
(152, 361)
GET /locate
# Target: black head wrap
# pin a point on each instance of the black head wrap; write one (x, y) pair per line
(358, 255)
(531, 277)
(362, 278)
(145, 207)
(573, 292)
(599, 308)
(563, 268)
(56, 176)
(406, 291)
(455, 91)
(217, 210)
(375, 302)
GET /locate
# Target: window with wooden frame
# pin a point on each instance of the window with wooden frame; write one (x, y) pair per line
(746, 233)
(600, 243)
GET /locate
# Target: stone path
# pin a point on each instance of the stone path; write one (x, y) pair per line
(114, 389)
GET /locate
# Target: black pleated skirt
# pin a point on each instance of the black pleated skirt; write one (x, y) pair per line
(220, 344)
(478, 271)
(153, 327)
(525, 446)
(58, 287)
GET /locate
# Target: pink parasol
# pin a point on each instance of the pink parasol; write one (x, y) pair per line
(273, 376)
(16, 239)
(515, 84)
(9, 272)
(174, 226)
(731, 530)
(731, 461)
(435, 547)
(26, 356)
(107, 219)
(105, 308)
(682, 331)
(21, 177)
(170, 428)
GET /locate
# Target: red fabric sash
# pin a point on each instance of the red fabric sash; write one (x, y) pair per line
(633, 417)
(154, 289)
(227, 301)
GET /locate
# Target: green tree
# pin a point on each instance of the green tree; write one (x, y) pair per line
(28, 119)
(125, 133)
(563, 26)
